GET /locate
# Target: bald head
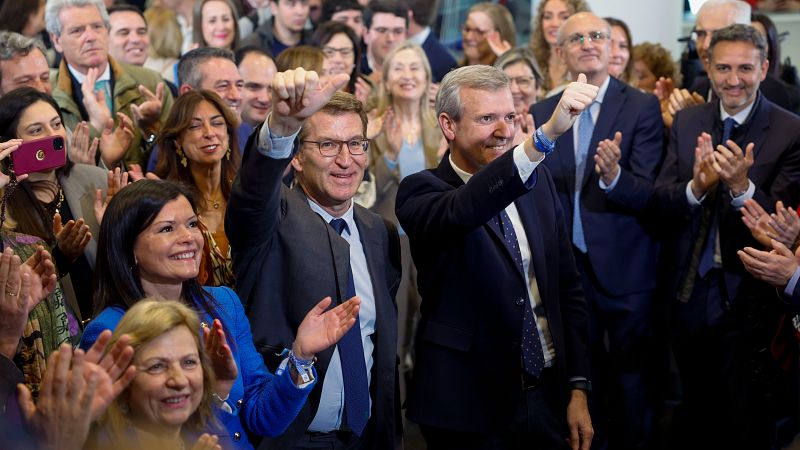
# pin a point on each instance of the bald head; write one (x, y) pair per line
(715, 15)
(584, 44)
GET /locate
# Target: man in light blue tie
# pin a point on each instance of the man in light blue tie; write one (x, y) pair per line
(604, 171)
(290, 245)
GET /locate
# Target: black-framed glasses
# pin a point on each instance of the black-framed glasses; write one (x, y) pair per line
(330, 147)
(577, 39)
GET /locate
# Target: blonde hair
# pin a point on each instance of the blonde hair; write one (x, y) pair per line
(306, 56)
(501, 19)
(165, 34)
(384, 95)
(144, 322)
(539, 45)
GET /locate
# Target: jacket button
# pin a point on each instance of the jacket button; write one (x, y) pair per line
(237, 436)
(520, 301)
(239, 403)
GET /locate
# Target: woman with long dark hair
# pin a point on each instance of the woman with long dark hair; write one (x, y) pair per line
(150, 246)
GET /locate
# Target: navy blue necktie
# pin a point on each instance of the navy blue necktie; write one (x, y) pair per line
(707, 259)
(532, 353)
(354, 368)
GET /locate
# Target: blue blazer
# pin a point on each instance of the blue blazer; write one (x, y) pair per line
(622, 251)
(262, 403)
(467, 374)
(439, 57)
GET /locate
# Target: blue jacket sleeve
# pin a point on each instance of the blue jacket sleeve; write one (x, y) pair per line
(270, 403)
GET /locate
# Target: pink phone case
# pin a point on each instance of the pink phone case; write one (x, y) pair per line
(40, 155)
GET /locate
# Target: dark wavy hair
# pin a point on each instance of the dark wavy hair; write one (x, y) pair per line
(178, 121)
(326, 31)
(23, 206)
(131, 211)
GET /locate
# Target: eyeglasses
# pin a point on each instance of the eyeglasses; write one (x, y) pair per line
(467, 30)
(330, 148)
(523, 82)
(577, 39)
(700, 35)
(330, 52)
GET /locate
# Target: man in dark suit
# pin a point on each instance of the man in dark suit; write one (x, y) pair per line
(420, 16)
(292, 246)
(604, 172)
(501, 345)
(755, 154)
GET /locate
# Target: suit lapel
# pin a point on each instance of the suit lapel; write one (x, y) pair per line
(609, 110)
(759, 128)
(446, 173)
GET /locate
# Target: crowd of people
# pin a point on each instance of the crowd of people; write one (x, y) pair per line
(309, 224)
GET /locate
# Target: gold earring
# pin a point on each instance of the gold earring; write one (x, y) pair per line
(182, 156)
(228, 154)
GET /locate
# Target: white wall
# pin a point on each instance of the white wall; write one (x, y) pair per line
(650, 20)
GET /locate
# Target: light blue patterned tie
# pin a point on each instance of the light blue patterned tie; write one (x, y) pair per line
(585, 129)
(105, 86)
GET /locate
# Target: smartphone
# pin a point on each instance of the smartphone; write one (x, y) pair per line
(39, 155)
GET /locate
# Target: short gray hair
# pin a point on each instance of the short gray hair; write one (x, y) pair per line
(13, 44)
(480, 77)
(741, 10)
(189, 65)
(54, 8)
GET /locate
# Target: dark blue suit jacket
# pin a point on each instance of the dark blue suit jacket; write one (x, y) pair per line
(441, 60)
(622, 252)
(775, 173)
(467, 375)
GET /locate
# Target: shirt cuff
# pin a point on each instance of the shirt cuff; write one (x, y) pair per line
(693, 201)
(613, 184)
(525, 166)
(792, 283)
(275, 147)
(738, 202)
(392, 165)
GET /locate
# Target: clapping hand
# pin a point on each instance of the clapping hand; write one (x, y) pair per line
(219, 352)
(607, 158)
(523, 128)
(320, 328)
(80, 151)
(207, 442)
(95, 101)
(114, 370)
(783, 225)
(15, 304)
(114, 142)
(42, 271)
(71, 238)
(117, 179)
(776, 267)
(497, 44)
(732, 164)
(147, 114)
(705, 177)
